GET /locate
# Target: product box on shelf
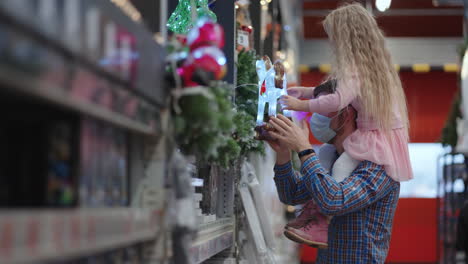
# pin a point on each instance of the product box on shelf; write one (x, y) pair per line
(104, 169)
(61, 190)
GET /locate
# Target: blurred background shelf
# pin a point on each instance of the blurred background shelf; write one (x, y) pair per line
(29, 236)
(27, 85)
(212, 238)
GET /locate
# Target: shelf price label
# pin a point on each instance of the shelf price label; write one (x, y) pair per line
(76, 231)
(6, 239)
(91, 230)
(243, 38)
(58, 232)
(33, 234)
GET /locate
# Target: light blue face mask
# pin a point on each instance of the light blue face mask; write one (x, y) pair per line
(320, 127)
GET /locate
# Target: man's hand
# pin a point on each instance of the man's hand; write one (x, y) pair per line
(289, 134)
(283, 153)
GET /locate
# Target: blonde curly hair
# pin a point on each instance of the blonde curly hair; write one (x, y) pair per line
(359, 48)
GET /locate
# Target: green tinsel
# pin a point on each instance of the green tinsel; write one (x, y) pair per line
(245, 134)
(246, 102)
(180, 21)
(246, 93)
(205, 126)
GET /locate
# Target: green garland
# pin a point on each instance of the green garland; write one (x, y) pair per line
(246, 93)
(211, 128)
(205, 125)
(246, 103)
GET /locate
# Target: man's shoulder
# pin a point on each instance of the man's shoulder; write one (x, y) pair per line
(369, 165)
(375, 174)
(371, 168)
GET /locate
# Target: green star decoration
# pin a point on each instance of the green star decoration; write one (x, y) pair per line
(181, 21)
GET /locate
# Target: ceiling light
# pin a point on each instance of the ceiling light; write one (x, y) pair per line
(382, 5)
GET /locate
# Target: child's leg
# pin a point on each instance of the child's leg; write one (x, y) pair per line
(343, 167)
(327, 155)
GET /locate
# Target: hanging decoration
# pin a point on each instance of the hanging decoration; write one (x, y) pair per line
(182, 19)
(205, 61)
(271, 86)
(197, 58)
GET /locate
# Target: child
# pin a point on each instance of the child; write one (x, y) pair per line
(366, 79)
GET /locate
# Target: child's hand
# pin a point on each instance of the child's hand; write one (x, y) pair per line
(298, 91)
(291, 103)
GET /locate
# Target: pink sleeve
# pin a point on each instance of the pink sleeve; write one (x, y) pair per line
(343, 96)
(309, 93)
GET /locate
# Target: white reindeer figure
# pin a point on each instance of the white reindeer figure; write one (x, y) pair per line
(271, 86)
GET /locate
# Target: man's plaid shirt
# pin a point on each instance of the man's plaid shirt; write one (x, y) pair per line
(363, 206)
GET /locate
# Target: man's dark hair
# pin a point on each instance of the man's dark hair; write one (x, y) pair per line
(328, 87)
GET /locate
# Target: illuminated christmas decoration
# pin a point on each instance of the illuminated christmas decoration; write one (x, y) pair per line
(272, 85)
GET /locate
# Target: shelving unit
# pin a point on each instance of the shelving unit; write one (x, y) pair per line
(82, 91)
(212, 238)
(88, 149)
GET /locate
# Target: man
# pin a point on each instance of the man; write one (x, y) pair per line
(363, 205)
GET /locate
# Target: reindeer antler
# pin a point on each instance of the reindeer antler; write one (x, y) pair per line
(279, 74)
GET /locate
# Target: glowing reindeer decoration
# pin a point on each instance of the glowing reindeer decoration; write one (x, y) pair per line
(271, 85)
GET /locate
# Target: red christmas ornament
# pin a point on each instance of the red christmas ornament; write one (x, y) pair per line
(203, 65)
(205, 33)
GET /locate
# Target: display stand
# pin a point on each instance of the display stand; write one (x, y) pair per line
(258, 226)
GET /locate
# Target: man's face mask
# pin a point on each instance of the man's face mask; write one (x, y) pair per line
(320, 127)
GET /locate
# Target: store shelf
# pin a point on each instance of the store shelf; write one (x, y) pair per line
(26, 84)
(31, 236)
(57, 25)
(212, 238)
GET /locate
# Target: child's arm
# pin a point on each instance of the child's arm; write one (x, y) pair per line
(301, 92)
(344, 95)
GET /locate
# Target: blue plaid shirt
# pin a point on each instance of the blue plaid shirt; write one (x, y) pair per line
(363, 206)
